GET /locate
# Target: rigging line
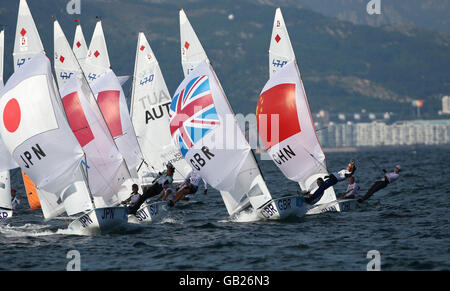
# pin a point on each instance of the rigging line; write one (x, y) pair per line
(320, 163)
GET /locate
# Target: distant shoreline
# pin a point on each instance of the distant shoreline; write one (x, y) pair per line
(368, 148)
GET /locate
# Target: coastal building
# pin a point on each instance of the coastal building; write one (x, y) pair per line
(379, 133)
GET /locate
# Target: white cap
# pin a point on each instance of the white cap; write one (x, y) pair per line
(398, 167)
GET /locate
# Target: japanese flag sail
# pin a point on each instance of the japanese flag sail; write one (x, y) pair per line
(97, 61)
(79, 47)
(106, 170)
(108, 178)
(205, 129)
(280, 51)
(150, 101)
(32, 122)
(113, 105)
(192, 52)
(6, 160)
(27, 42)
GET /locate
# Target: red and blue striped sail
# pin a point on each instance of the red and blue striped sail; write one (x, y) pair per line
(192, 113)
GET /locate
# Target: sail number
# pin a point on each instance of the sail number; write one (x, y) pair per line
(85, 220)
(284, 204)
(142, 215)
(3, 215)
(269, 211)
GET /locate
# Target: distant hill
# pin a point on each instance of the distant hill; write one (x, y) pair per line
(430, 14)
(345, 67)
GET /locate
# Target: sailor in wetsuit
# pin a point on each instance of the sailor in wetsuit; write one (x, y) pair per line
(163, 181)
(190, 186)
(380, 184)
(331, 180)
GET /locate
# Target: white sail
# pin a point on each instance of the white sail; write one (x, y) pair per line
(97, 61)
(113, 105)
(107, 175)
(27, 42)
(5, 191)
(284, 118)
(106, 170)
(249, 186)
(33, 121)
(192, 52)
(205, 129)
(150, 101)
(66, 66)
(80, 47)
(281, 51)
(6, 160)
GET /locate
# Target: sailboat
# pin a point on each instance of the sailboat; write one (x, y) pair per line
(150, 101)
(110, 97)
(107, 176)
(6, 162)
(285, 122)
(233, 170)
(32, 120)
(28, 43)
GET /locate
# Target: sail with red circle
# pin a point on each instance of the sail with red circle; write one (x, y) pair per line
(31, 121)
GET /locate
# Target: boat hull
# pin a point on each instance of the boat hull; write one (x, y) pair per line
(333, 206)
(149, 213)
(5, 214)
(100, 220)
(282, 208)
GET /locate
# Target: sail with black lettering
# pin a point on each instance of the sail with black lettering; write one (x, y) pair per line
(150, 101)
(284, 118)
(246, 185)
(32, 122)
(27, 43)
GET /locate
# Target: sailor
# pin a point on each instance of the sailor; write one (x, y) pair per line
(15, 199)
(163, 181)
(134, 196)
(190, 186)
(352, 189)
(380, 184)
(331, 180)
(168, 193)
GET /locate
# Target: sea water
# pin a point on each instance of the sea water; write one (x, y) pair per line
(407, 223)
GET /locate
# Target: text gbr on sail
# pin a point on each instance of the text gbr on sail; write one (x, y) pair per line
(199, 161)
